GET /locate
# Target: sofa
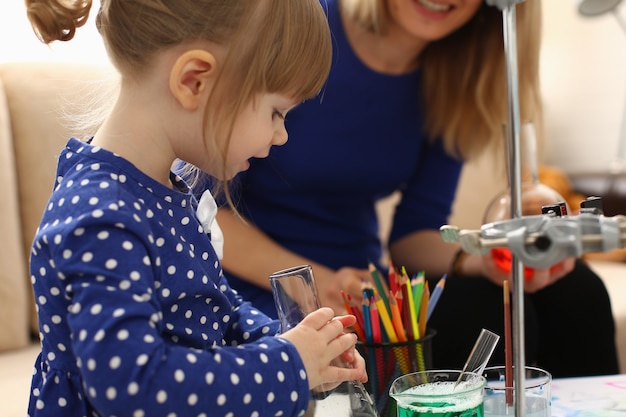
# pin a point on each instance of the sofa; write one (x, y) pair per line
(34, 104)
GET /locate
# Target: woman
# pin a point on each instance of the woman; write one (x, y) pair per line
(416, 88)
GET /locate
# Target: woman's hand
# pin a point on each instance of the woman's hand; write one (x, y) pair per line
(350, 280)
(540, 278)
(319, 339)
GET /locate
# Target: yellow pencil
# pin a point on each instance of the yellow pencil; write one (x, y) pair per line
(384, 317)
(417, 285)
(413, 312)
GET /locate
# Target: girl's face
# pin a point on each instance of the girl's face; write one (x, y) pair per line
(256, 129)
(430, 20)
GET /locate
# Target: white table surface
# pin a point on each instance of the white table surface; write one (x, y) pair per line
(600, 396)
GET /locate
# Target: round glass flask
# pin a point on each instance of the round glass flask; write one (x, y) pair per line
(535, 195)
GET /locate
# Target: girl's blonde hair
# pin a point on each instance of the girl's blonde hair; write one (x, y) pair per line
(464, 74)
(274, 46)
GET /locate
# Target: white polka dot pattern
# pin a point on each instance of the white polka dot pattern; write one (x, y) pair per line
(136, 318)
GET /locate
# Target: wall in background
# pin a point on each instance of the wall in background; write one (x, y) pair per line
(583, 76)
(583, 72)
(19, 43)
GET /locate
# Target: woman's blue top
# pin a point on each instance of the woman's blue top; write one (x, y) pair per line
(360, 140)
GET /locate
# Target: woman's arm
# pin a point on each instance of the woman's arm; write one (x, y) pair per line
(426, 251)
(253, 256)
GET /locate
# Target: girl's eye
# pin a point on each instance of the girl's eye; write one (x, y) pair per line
(278, 114)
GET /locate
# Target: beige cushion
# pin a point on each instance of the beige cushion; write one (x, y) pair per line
(38, 95)
(14, 293)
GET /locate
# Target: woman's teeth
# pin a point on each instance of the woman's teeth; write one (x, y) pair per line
(435, 7)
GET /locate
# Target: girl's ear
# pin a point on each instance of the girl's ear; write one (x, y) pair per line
(191, 76)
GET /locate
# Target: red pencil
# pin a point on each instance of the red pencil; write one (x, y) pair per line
(376, 332)
(359, 325)
(393, 283)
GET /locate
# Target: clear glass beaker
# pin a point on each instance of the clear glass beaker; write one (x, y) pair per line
(439, 393)
(295, 296)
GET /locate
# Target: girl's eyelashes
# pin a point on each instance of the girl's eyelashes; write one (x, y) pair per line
(278, 114)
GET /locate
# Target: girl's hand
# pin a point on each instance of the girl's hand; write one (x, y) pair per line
(319, 339)
(541, 278)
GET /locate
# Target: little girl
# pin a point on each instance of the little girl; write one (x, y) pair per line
(135, 316)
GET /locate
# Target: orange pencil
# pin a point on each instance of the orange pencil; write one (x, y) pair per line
(358, 325)
(398, 294)
(356, 311)
(396, 319)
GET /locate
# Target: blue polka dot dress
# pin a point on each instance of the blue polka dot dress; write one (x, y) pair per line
(135, 316)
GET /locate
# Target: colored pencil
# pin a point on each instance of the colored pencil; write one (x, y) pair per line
(377, 335)
(424, 308)
(381, 287)
(367, 320)
(396, 319)
(356, 311)
(359, 324)
(410, 305)
(434, 297)
(417, 284)
(508, 354)
(406, 318)
(399, 296)
(392, 277)
(385, 319)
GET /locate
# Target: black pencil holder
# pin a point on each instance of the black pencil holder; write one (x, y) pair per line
(387, 361)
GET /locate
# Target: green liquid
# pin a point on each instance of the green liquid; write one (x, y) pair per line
(438, 409)
(442, 399)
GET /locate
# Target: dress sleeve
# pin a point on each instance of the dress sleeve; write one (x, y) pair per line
(129, 362)
(427, 198)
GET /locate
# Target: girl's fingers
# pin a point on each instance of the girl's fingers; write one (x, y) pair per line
(337, 374)
(340, 344)
(319, 318)
(347, 320)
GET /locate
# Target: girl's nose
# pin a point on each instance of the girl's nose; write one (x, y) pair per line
(280, 136)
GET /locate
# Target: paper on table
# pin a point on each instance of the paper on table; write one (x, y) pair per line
(599, 396)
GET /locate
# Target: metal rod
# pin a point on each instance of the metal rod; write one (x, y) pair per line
(510, 49)
(503, 242)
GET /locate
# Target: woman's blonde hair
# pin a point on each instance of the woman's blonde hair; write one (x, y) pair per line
(464, 74)
(274, 46)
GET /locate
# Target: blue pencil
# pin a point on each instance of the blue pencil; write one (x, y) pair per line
(367, 320)
(434, 297)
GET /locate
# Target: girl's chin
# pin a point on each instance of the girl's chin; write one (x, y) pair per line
(240, 168)
(244, 166)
